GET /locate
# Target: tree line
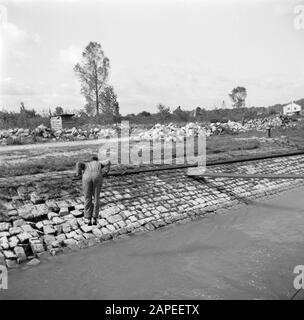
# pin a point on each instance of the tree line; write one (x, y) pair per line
(29, 118)
(102, 106)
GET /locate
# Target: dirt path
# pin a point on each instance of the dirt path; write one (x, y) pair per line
(248, 253)
(50, 145)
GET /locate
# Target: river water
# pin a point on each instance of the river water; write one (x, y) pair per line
(249, 252)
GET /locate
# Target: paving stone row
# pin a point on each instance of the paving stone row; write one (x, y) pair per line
(34, 224)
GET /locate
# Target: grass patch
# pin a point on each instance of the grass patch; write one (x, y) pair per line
(224, 144)
(61, 158)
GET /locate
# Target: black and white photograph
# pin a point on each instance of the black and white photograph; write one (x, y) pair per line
(151, 150)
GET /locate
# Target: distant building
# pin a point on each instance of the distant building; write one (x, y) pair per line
(292, 109)
(62, 121)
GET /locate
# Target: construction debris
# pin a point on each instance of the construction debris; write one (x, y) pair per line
(168, 132)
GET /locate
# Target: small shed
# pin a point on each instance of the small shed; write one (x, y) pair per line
(63, 121)
(292, 109)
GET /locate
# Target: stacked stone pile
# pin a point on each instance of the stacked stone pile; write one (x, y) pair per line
(271, 122)
(173, 132)
(44, 134)
(170, 132)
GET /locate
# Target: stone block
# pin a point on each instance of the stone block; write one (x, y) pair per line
(105, 230)
(102, 222)
(51, 215)
(18, 223)
(114, 218)
(97, 233)
(9, 254)
(20, 253)
(86, 228)
(66, 228)
(36, 198)
(132, 218)
(13, 241)
(36, 245)
(48, 230)
(4, 244)
(77, 213)
(33, 262)
(4, 226)
(64, 211)
(60, 238)
(56, 220)
(11, 263)
(49, 239)
(39, 225)
(110, 228)
(4, 234)
(12, 213)
(71, 235)
(15, 230)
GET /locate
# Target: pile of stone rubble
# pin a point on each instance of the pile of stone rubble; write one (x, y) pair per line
(44, 134)
(176, 133)
(166, 131)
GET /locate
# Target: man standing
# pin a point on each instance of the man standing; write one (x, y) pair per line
(92, 175)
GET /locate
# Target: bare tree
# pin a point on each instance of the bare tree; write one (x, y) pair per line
(93, 73)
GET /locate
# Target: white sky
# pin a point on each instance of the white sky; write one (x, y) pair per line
(189, 53)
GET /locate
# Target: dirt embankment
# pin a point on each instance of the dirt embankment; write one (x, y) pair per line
(248, 253)
(44, 213)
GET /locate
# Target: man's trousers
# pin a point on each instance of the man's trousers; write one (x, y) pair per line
(91, 183)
